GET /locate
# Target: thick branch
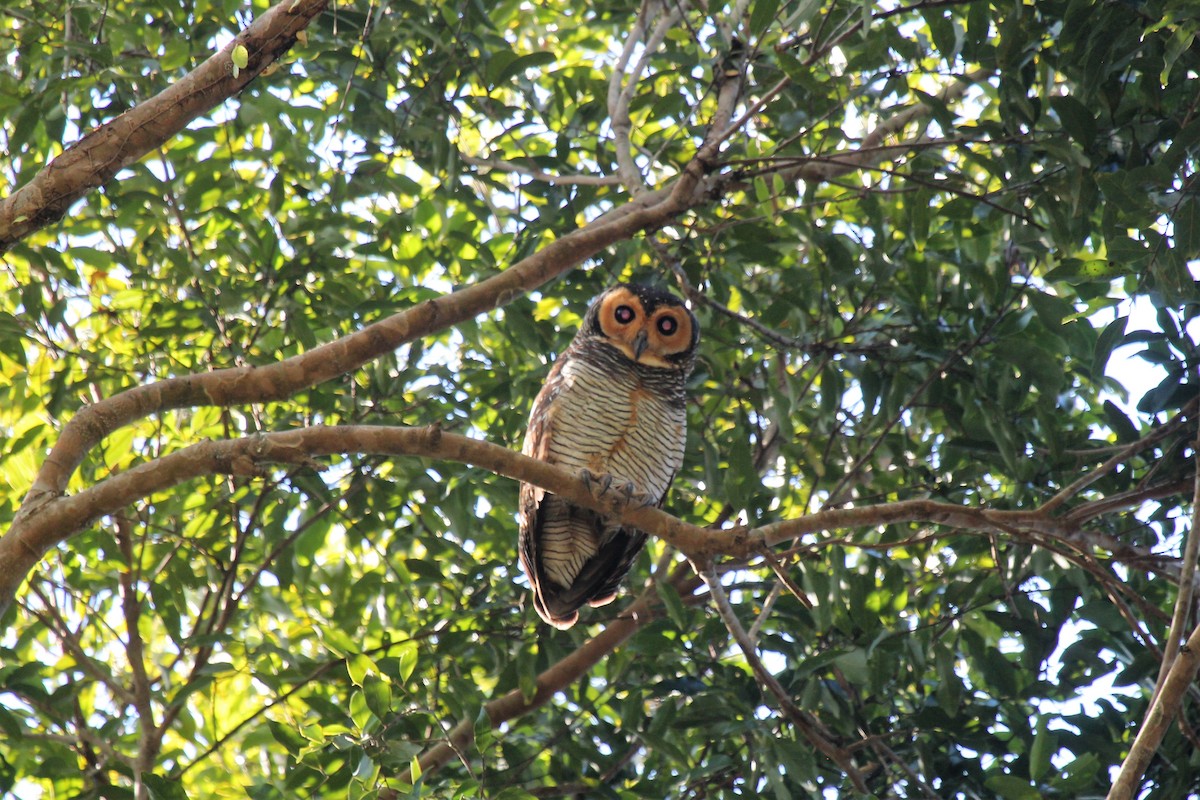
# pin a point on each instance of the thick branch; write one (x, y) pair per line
(97, 157)
(56, 520)
(284, 378)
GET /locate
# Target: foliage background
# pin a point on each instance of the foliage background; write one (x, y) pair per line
(931, 226)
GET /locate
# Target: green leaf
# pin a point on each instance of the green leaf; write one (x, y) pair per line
(378, 694)
(1077, 119)
(1077, 775)
(1044, 746)
(1121, 425)
(414, 770)
(506, 65)
(1110, 337)
(527, 672)
(160, 788)
(674, 605)
(1011, 787)
(1185, 224)
(853, 665)
(407, 654)
(514, 793)
(762, 14)
(359, 667)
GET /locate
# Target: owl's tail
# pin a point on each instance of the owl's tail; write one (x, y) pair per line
(578, 560)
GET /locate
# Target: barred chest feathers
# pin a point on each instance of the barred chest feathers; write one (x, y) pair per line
(629, 423)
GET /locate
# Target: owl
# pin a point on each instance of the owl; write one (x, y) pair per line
(612, 411)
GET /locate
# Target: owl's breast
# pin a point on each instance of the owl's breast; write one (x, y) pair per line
(615, 421)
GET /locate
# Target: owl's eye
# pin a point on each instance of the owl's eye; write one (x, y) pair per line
(667, 325)
(624, 315)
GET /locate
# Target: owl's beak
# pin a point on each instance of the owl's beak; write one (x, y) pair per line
(639, 345)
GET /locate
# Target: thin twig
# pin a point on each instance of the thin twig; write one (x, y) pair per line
(541, 175)
(784, 578)
(1122, 455)
(811, 728)
(149, 738)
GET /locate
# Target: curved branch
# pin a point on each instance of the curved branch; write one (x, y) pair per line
(282, 379)
(55, 520)
(97, 157)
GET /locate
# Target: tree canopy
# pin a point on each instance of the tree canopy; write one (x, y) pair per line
(280, 284)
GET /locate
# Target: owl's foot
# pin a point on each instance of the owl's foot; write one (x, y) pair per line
(616, 493)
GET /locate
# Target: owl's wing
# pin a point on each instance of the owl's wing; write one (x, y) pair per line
(533, 500)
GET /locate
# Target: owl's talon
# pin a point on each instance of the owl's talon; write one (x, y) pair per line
(616, 493)
(596, 483)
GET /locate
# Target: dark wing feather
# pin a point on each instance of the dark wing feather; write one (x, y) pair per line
(533, 499)
(605, 572)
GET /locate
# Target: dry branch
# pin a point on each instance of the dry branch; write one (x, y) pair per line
(97, 157)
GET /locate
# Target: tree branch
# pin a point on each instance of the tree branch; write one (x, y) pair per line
(97, 157)
(282, 379)
(809, 726)
(1179, 665)
(620, 96)
(873, 148)
(558, 676)
(149, 738)
(1122, 455)
(58, 519)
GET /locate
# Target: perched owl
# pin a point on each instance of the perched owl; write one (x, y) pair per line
(612, 410)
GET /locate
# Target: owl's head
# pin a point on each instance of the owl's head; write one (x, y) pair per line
(647, 325)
